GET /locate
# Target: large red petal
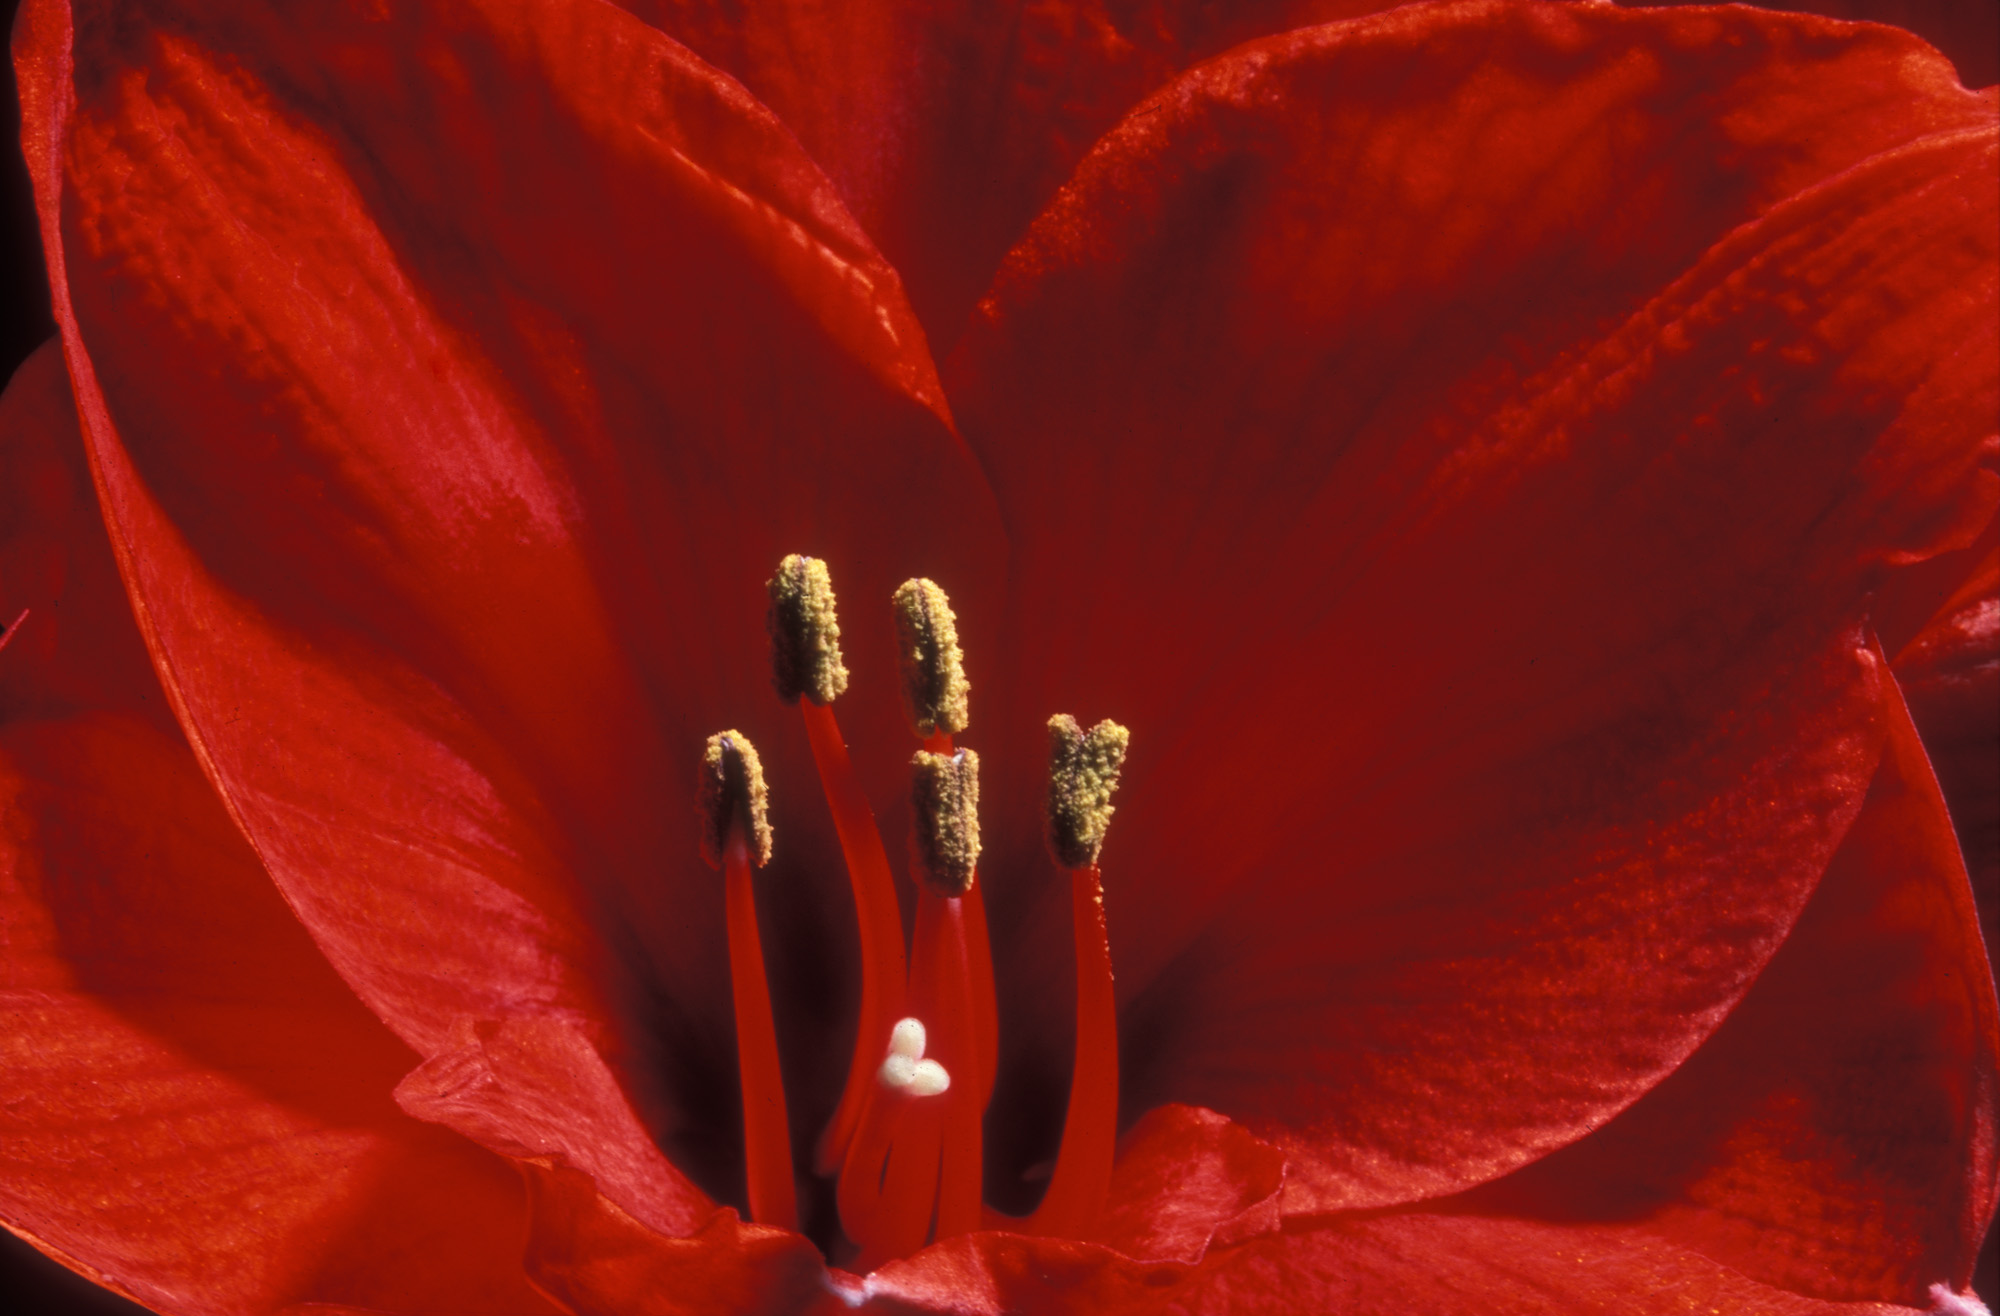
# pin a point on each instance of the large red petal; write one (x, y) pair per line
(1836, 1136)
(452, 384)
(947, 126)
(1950, 672)
(1968, 33)
(1461, 444)
(1398, 1263)
(198, 1111)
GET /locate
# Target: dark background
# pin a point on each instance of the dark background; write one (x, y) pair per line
(31, 1284)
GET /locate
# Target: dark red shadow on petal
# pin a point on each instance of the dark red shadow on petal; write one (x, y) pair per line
(1968, 33)
(199, 1110)
(455, 386)
(1462, 445)
(1836, 1137)
(947, 126)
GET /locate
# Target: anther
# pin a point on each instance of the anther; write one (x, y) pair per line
(1083, 772)
(944, 840)
(805, 635)
(935, 691)
(730, 788)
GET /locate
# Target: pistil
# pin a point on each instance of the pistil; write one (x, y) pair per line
(888, 1183)
(807, 668)
(732, 798)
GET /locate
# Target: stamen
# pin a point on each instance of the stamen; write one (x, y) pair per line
(1083, 772)
(732, 797)
(944, 798)
(979, 967)
(806, 666)
(805, 634)
(935, 691)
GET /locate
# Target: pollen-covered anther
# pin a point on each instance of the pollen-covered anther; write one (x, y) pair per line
(1083, 773)
(805, 634)
(944, 832)
(730, 788)
(935, 691)
(905, 1070)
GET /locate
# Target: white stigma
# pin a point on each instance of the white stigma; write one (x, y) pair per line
(904, 1069)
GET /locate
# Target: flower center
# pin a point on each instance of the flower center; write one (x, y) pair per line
(905, 1141)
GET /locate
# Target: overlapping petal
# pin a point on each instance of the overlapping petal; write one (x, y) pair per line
(1464, 443)
(1819, 1157)
(1531, 398)
(446, 467)
(1827, 1140)
(197, 1110)
(948, 126)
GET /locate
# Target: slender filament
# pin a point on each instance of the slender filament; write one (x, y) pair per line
(7, 636)
(767, 1146)
(881, 924)
(940, 983)
(1082, 1177)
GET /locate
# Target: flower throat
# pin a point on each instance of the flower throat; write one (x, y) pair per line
(905, 1142)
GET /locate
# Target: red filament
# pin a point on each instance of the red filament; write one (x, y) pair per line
(941, 987)
(7, 636)
(881, 924)
(1082, 1177)
(767, 1146)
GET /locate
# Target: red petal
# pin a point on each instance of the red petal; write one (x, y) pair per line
(1473, 1266)
(454, 385)
(948, 126)
(1461, 445)
(1836, 1135)
(198, 1111)
(599, 1261)
(1188, 1179)
(1968, 33)
(1950, 673)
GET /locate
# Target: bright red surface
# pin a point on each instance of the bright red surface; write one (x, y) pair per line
(1474, 447)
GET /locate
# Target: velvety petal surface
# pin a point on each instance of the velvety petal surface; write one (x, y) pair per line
(454, 381)
(1950, 673)
(1462, 443)
(1835, 1137)
(197, 1111)
(1478, 1266)
(1189, 1184)
(1968, 33)
(947, 126)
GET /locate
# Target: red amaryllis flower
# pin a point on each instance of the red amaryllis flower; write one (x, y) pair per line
(1487, 453)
